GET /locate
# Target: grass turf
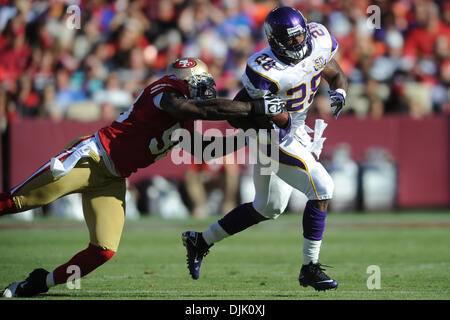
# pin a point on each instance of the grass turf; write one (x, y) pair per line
(262, 263)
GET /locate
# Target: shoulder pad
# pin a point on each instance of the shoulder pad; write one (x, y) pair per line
(260, 72)
(323, 38)
(169, 83)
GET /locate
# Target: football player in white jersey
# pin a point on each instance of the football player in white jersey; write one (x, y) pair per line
(299, 55)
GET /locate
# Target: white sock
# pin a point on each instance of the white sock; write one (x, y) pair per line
(214, 233)
(311, 250)
(50, 281)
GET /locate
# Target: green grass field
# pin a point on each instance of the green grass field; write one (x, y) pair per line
(411, 249)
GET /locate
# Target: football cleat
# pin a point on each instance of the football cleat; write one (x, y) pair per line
(196, 250)
(31, 286)
(312, 275)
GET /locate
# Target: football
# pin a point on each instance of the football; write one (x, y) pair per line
(265, 122)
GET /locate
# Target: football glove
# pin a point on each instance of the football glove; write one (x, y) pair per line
(337, 101)
(270, 105)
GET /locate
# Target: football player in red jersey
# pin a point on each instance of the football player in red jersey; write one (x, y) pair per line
(97, 165)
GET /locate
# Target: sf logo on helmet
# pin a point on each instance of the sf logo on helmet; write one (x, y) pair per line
(185, 63)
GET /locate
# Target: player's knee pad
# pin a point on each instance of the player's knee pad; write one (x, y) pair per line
(269, 210)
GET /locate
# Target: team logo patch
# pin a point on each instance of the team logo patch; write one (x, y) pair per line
(184, 63)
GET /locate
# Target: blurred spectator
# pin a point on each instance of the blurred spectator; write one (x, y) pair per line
(402, 66)
(65, 93)
(42, 68)
(421, 41)
(113, 93)
(27, 98)
(108, 112)
(50, 109)
(53, 72)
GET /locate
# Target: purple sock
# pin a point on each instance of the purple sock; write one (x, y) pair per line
(238, 219)
(313, 222)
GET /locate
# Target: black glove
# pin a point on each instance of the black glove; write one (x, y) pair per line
(337, 101)
(270, 105)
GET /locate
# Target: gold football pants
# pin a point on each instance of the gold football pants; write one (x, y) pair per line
(103, 195)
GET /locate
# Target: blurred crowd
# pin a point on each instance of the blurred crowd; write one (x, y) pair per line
(55, 64)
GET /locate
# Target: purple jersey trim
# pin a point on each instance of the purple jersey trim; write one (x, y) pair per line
(283, 157)
(261, 82)
(334, 44)
(290, 160)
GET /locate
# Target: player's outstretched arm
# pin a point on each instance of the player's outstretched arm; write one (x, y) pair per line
(219, 109)
(338, 83)
(243, 123)
(220, 145)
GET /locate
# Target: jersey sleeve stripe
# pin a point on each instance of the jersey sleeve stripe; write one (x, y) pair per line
(334, 44)
(159, 86)
(260, 81)
(289, 159)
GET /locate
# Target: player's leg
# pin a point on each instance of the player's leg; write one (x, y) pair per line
(297, 169)
(103, 205)
(42, 188)
(269, 203)
(271, 198)
(104, 211)
(300, 169)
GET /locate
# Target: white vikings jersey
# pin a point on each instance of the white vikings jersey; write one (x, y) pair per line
(296, 84)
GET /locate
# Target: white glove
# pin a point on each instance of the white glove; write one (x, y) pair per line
(270, 105)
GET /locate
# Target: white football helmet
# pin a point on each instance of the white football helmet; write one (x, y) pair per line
(195, 73)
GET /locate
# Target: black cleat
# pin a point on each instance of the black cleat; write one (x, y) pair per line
(30, 287)
(313, 275)
(196, 250)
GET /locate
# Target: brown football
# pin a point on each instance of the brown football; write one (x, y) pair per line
(265, 122)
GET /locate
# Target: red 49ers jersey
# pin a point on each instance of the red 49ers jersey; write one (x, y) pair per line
(141, 135)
